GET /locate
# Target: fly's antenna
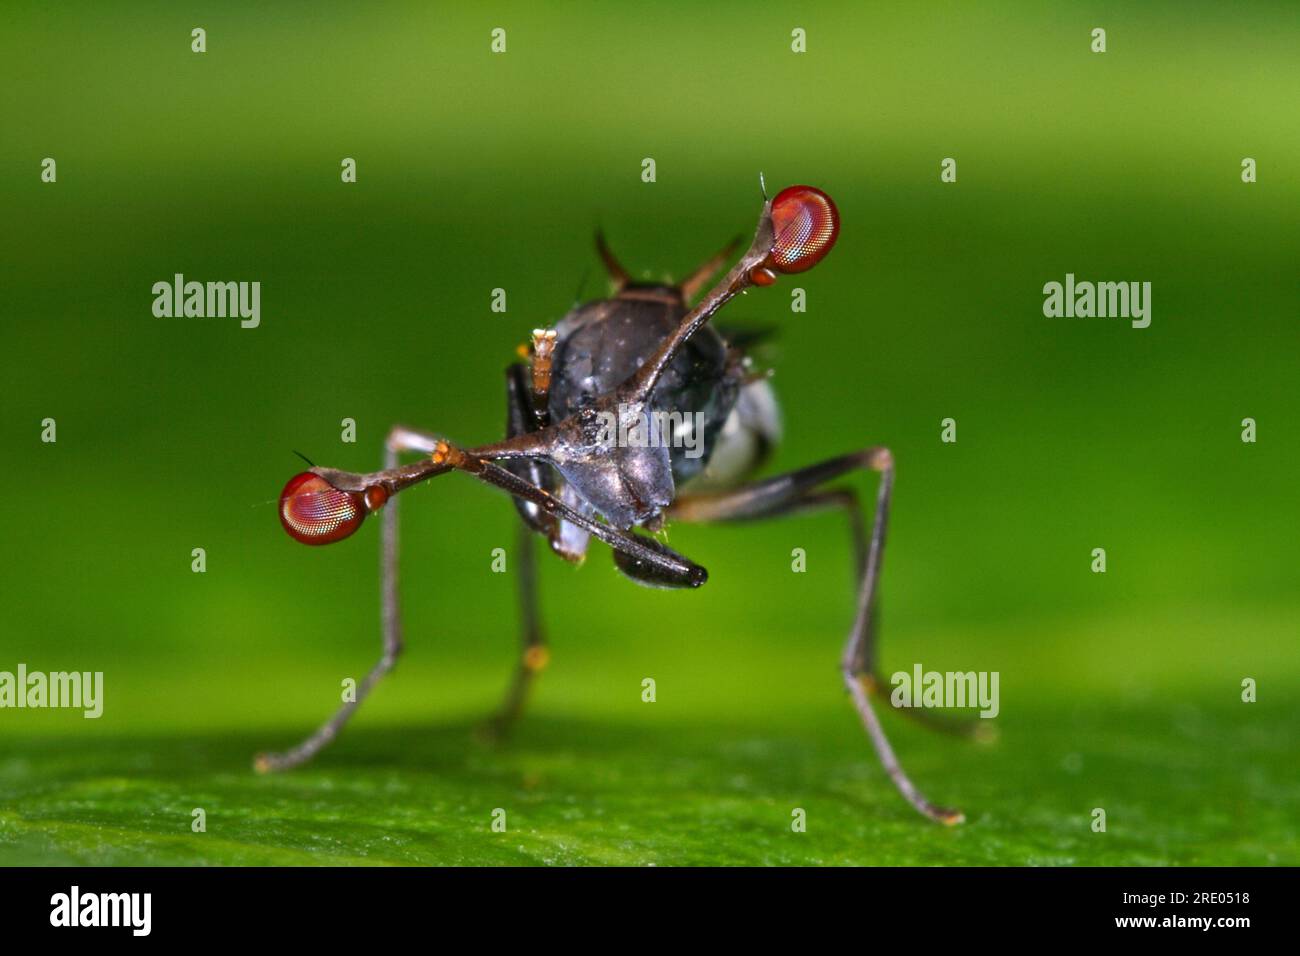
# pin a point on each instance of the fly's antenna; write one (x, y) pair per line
(304, 458)
(762, 186)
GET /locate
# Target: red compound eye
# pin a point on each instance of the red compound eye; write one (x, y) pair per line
(315, 512)
(806, 224)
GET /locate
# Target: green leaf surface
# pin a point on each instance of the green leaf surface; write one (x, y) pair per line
(1182, 784)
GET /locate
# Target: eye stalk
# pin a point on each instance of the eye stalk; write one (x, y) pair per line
(315, 512)
(805, 225)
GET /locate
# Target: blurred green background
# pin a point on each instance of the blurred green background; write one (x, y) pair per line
(1118, 690)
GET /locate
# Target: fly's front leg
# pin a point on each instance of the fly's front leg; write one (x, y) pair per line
(400, 439)
(796, 491)
(527, 388)
(534, 654)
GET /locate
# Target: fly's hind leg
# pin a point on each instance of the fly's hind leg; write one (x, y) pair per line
(799, 490)
(847, 500)
(399, 440)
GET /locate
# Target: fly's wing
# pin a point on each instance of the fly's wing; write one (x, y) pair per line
(568, 540)
(752, 431)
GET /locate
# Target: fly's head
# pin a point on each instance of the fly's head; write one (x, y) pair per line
(615, 457)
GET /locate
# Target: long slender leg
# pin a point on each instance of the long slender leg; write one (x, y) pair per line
(525, 401)
(859, 653)
(796, 492)
(400, 439)
(785, 493)
(534, 654)
(847, 500)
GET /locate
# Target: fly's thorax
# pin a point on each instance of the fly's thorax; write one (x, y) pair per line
(600, 344)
